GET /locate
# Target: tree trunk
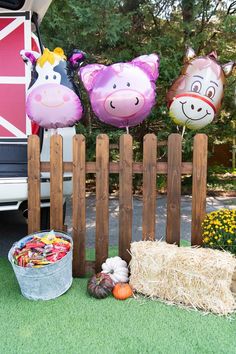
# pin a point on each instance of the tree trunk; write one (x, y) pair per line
(188, 17)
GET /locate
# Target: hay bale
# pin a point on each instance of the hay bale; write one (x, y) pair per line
(233, 284)
(198, 277)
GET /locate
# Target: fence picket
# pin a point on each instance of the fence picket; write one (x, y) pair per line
(125, 196)
(174, 188)
(199, 182)
(149, 186)
(56, 182)
(102, 199)
(33, 184)
(79, 206)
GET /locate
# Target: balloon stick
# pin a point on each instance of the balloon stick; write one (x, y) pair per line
(54, 131)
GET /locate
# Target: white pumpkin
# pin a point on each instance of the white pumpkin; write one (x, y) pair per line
(117, 269)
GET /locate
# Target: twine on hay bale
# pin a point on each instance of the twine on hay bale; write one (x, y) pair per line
(198, 277)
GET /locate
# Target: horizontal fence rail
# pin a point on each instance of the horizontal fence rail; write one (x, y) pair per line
(174, 168)
(114, 167)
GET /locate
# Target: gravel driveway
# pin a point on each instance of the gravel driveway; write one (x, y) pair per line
(13, 225)
(212, 204)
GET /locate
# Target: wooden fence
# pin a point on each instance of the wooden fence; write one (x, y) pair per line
(125, 167)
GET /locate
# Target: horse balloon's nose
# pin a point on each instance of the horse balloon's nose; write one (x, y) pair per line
(199, 109)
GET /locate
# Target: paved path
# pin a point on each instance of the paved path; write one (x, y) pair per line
(13, 225)
(212, 204)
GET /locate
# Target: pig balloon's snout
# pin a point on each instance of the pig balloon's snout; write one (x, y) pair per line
(124, 103)
(136, 103)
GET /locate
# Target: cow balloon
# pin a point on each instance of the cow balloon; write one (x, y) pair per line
(53, 99)
(122, 94)
(196, 95)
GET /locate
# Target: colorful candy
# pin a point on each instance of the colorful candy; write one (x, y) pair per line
(39, 251)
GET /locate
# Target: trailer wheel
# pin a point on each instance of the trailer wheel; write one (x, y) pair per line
(45, 217)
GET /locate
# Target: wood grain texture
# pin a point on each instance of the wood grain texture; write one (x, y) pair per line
(199, 183)
(102, 199)
(79, 206)
(125, 196)
(56, 183)
(114, 167)
(33, 184)
(174, 188)
(149, 186)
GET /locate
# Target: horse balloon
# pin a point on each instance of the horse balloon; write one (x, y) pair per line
(195, 97)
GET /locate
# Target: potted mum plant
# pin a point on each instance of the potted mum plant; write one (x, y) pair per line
(219, 230)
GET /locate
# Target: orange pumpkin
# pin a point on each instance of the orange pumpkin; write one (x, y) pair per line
(122, 291)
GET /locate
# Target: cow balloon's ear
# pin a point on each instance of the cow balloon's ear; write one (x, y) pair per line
(228, 68)
(29, 57)
(76, 58)
(88, 74)
(149, 63)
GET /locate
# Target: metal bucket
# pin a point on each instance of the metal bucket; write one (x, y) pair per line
(48, 282)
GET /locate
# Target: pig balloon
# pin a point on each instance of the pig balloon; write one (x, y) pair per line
(53, 99)
(122, 94)
(196, 95)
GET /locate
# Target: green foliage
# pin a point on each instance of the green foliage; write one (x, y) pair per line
(115, 30)
(220, 170)
(219, 178)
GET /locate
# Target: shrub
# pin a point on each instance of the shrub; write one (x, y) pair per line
(219, 230)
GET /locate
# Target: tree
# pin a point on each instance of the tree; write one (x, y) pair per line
(114, 30)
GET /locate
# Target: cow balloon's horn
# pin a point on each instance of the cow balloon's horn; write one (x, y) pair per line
(59, 51)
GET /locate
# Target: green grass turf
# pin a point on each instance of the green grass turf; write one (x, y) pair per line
(76, 323)
(113, 250)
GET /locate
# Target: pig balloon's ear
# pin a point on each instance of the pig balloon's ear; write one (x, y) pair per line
(189, 55)
(88, 74)
(29, 57)
(149, 63)
(76, 58)
(228, 68)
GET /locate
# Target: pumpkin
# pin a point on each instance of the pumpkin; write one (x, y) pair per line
(100, 285)
(117, 269)
(122, 291)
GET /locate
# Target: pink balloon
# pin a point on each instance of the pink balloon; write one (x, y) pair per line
(53, 99)
(122, 94)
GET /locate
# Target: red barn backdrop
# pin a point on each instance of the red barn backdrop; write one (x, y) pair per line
(15, 35)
